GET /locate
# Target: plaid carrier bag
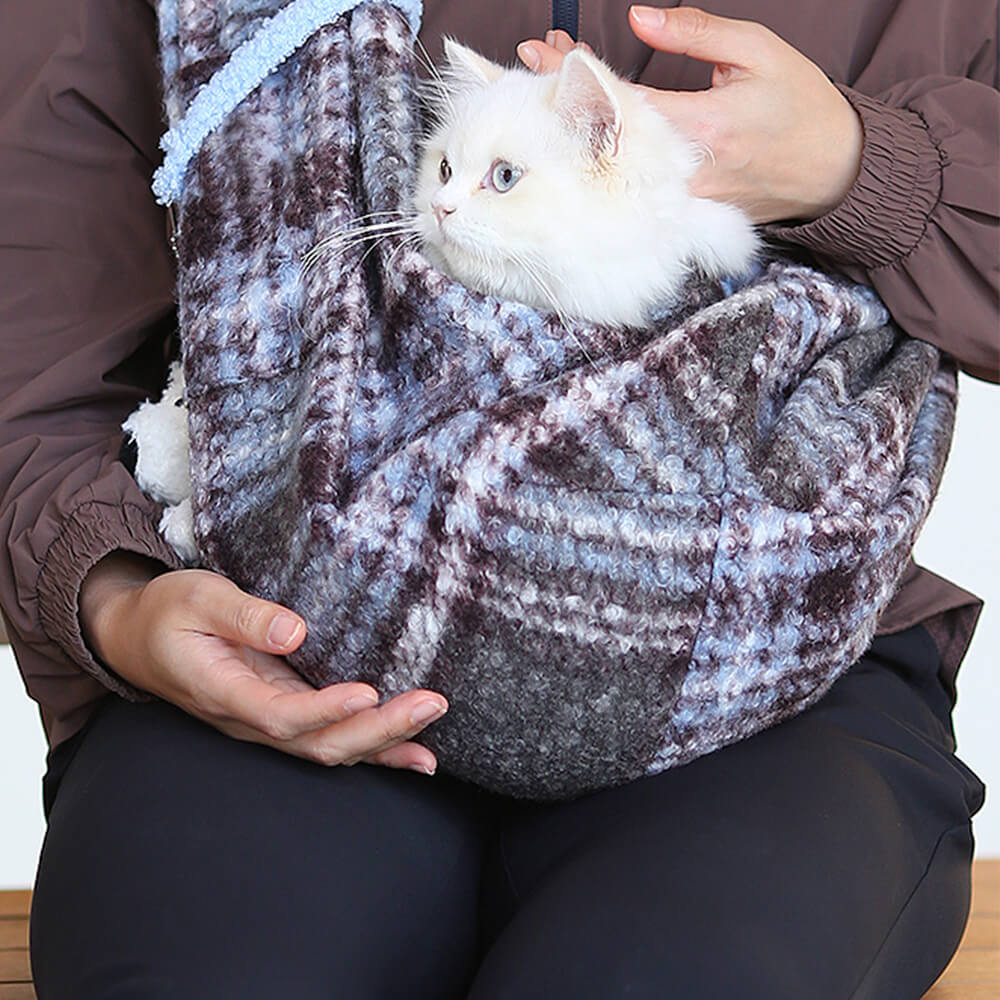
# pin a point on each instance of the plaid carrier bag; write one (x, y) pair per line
(612, 550)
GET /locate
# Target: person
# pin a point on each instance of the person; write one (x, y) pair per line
(201, 842)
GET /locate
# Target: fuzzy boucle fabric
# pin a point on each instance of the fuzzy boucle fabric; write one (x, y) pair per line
(610, 560)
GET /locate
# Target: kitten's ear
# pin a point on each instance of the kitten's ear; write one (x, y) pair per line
(468, 68)
(586, 104)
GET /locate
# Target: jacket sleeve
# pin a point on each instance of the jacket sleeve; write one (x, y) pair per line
(86, 282)
(921, 222)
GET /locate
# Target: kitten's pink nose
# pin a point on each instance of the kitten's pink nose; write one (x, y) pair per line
(441, 211)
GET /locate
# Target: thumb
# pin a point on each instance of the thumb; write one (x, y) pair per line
(264, 625)
(695, 33)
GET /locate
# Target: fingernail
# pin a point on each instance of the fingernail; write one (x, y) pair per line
(550, 38)
(359, 703)
(422, 768)
(426, 711)
(648, 17)
(527, 54)
(284, 628)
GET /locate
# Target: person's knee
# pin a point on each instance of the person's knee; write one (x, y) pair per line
(647, 964)
(927, 930)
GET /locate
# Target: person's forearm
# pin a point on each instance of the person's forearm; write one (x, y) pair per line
(920, 226)
(104, 596)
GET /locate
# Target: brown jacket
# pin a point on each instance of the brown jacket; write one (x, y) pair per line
(86, 282)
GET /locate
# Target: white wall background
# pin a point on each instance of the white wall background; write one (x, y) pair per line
(22, 764)
(961, 541)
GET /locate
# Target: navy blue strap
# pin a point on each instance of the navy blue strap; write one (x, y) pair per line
(566, 15)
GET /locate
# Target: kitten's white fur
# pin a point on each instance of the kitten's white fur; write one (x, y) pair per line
(163, 463)
(600, 225)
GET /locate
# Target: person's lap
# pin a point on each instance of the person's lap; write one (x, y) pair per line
(827, 857)
(180, 863)
(781, 867)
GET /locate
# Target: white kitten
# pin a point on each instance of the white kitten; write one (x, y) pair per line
(566, 191)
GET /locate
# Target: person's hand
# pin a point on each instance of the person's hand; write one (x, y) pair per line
(195, 639)
(780, 141)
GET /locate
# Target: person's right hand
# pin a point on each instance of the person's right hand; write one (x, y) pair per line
(784, 142)
(195, 639)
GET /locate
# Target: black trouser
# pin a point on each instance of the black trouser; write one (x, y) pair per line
(825, 858)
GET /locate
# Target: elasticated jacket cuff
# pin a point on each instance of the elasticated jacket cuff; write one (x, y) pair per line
(885, 214)
(93, 530)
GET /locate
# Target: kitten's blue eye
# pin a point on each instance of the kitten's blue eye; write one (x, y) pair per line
(504, 175)
(444, 170)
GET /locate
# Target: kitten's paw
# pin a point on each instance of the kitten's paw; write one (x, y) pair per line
(160, 431)
(177, 528)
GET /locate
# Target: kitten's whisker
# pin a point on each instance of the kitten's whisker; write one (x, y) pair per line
(369, 227)
(540, 264)
(436, 98)
(357, 235)
(345, 239)
(348, 244)
(438, 103)
(532, 273)
(424, 57)
(396, 215)
(404, 244)
(407, 234)
(567, 322)
(437, 89)
(578, 308)
(392, 213)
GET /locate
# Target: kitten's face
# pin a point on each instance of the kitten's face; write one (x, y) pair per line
(495, 177)
(555, 190)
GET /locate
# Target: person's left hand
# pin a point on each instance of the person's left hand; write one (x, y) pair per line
(781, 141)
